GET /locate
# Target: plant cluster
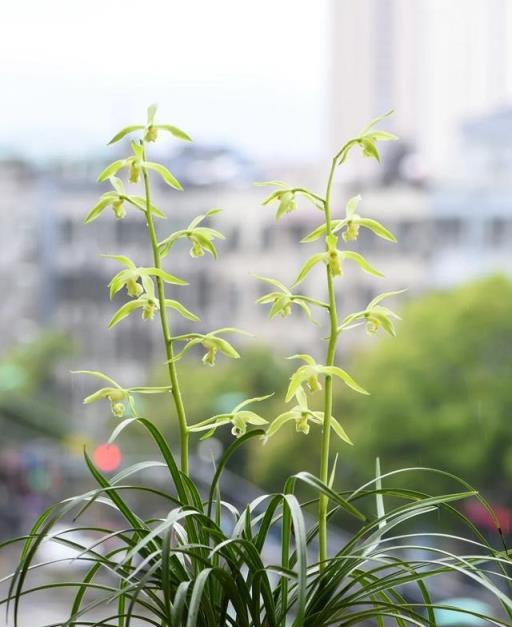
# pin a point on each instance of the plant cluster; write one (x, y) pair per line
(205, 562)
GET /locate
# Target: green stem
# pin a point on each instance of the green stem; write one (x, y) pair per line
(166, 331)
(331, 353)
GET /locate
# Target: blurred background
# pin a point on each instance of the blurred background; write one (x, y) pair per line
(267, 91)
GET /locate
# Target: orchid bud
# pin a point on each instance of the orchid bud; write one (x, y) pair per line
(351, 232)
(302, 424)
(118, 208)
(133, 177)
(151, 134)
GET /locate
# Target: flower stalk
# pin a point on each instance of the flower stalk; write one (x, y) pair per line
(305, 379)
(166, 331)
(330, 358)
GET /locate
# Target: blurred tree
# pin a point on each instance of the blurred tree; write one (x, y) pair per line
(28, 396)
(441, 395)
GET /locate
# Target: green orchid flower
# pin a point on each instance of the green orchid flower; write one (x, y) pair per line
(334, 259)
(211, 342)
(118, 396)
(239, 418)
(129, 278)
(117, 199)
(150, 129)
(375, 316)
(135, 165)
(351, 225)
(201, 237)
(286, 197)
(303, 416)
(309, 375)
(149, 303)
(367, 141)
(283, 300)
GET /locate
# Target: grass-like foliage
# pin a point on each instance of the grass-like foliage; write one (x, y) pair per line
(281, 559)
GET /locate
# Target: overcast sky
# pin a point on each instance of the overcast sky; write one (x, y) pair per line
(246, 73)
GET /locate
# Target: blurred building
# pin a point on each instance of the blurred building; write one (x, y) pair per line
(433, 63)
(20, 224)
(477, 198)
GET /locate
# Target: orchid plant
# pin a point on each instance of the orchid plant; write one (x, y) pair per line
(191, 567)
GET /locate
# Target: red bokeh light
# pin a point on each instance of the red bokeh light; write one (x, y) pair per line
(107, 457)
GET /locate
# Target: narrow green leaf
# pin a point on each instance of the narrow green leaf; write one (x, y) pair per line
(226, 456)
(381, 512)
(299, 528)
(316, 483)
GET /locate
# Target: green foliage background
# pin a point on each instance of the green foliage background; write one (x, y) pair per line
(441, 394)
